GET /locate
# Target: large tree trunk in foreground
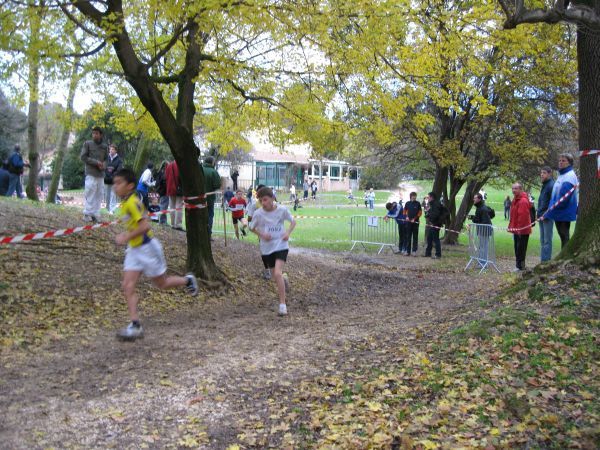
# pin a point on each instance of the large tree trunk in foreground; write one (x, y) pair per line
(457, 222)
(177, 131)
(585, 242)
(64, 138)
(32, 126)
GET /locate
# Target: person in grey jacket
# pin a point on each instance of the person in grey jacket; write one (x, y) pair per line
(93, 155)
(546, 224)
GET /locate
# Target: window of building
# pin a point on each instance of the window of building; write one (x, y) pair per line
(334, 171)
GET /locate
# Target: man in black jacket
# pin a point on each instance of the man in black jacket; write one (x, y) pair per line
(412, 211)
(113, 165)
(435, 220)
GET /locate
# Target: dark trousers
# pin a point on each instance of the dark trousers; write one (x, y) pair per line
(507, 213)
(433, 237)
(211, 215)
(145, 200)
(412, 233)
(305, 195)
(520, 241)
(403, 241)
(563, 232)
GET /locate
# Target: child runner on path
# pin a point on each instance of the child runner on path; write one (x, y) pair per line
(254, 205)
(144, 253)
(237, 205)
(268, 224)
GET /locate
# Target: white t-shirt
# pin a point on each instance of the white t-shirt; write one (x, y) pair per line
(271, 222)
(253, 205)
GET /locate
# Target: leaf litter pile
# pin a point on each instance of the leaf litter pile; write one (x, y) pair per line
(377, 352)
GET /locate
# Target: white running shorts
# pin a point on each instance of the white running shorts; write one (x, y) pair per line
(147, 258)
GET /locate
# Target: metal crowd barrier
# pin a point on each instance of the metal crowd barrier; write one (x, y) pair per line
(373, 230)
(482, 250)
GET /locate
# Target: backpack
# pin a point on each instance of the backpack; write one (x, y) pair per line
(491, 212)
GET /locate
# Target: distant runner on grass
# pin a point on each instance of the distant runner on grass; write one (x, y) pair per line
(144, 253)
(268, 224)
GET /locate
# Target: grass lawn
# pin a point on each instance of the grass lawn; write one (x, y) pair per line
(334, 233)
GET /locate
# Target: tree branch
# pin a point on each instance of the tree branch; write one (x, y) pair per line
(575, 14)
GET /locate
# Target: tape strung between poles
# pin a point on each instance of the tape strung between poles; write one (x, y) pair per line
(68, 231)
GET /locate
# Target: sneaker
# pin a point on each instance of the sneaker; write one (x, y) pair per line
(286, 282)
(87, 218)
(282, 309)
(435, 257)
(405, 253)
(267, 274)
(131, 332)
(192, 284)
(415, 254)
(516, 269)
(397, 252)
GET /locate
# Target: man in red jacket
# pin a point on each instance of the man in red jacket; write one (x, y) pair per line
(520, 223)
(175, 194)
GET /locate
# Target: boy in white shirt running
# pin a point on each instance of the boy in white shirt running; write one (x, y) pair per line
(268, 224)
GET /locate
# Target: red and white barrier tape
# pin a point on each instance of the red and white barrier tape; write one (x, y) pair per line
(54, 233)
(68, 231)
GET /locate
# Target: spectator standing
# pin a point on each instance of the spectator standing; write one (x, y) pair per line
(212, 183)
(371, 199)
(161, 189)
(435, 217)
(305, 189)
(228, 195)
(234, 178)
(4, 180)
(565, 212)
(175, 194)
(314, 188)
(520, 224)
(15, 167)
(293, 192)
(546, 225)
(94, 155)
(507, 203)
(113, 165)
(413, 212)
(483, 216)
(396, 211)
(145, 183)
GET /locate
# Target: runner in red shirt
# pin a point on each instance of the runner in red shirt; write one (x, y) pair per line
(237, 205)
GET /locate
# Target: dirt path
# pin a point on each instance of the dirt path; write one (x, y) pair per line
(208, 368)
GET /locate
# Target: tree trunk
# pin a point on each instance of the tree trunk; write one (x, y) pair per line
(64, 137)
(177, 131)
(32, 126)
(457, 222)
(585, 243)
(440, 180)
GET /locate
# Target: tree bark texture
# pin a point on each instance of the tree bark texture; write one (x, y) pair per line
(457, 221)
(32, 127)
(64, 138)
(585, 242)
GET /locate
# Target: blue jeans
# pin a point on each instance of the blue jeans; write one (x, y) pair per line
(546, 227)
(371, 204)
(14, 185)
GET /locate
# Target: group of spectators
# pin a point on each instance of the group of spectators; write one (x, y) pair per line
(102, 162)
